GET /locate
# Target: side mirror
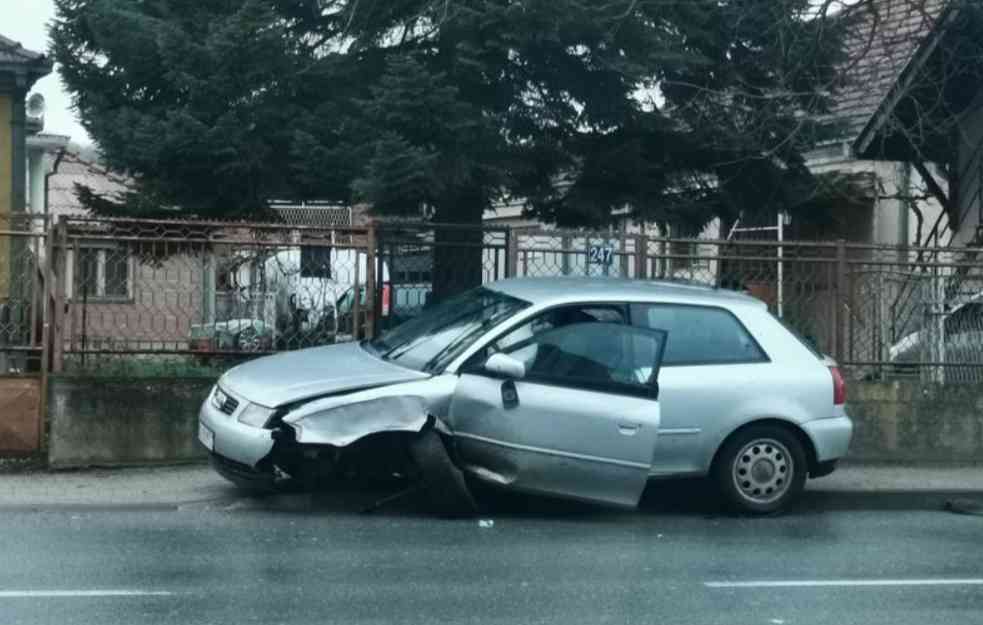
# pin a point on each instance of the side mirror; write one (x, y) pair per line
(505, 366)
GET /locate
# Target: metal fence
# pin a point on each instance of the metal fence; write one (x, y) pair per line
(148, 297)
(22, 253)
(881, 311)
(144, 297)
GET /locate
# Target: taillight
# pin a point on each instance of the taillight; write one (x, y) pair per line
(839, 387)
(386, 292)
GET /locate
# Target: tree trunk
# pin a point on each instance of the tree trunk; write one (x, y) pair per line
(458, 238)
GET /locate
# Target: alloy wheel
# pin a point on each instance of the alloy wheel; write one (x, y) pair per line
(763, 471)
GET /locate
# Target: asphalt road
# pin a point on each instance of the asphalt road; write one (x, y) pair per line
(892, 559)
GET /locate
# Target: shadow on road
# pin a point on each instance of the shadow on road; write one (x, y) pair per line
(683, 497)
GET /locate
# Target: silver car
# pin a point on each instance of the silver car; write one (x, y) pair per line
(572, 387)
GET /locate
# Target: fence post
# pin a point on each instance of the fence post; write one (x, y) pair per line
(565, 251)
(370, 281)
(641, 257)
(623, 257)
(46, 312)
(839, 301)
(511, 253)
(57, 319)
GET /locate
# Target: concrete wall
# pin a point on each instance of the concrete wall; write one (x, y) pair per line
(107, 421)
(99, 421)
(907, 422)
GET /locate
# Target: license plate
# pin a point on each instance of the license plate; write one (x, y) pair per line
(206, 436)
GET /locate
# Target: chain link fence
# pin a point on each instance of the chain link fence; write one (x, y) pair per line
(916, 313)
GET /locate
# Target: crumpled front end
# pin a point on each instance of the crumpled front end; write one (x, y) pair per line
(341, 426)
(341, 420)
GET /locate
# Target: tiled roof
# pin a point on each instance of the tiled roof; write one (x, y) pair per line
(73, 170)
(880, 46)
(12, 52)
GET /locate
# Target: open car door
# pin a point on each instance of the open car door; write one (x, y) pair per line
(571, 411)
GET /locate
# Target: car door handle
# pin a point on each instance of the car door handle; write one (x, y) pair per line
(629, 429)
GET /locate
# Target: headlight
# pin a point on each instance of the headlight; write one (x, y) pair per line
(219, 398)
(255, 415)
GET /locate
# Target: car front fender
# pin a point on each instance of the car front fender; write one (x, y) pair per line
(343, 419)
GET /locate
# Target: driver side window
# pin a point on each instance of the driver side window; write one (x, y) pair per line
(551, 320)
(586, 348)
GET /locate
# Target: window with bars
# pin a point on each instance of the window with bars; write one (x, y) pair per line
(102, 273)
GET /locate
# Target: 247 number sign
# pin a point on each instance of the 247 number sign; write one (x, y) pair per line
(600, 254)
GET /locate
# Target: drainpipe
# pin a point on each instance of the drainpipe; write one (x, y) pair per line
(47, 178)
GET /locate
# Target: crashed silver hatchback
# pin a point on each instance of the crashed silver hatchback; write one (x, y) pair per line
(573, 387)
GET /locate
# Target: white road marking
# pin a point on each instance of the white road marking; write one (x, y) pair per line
(18, 594)
(819, 583)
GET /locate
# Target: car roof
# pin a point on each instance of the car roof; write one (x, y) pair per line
(566, 289)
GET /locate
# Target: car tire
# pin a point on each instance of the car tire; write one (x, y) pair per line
(443, 482)
(761, 469)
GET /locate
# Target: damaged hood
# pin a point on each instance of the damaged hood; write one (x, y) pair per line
(294, 376)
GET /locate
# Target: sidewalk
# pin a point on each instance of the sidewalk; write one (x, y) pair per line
(144, 487)
(175, 486)
(891, 478)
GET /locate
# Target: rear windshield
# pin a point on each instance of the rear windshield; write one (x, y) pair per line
(807, 342)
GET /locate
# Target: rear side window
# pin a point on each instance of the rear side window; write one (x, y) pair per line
(699, 335)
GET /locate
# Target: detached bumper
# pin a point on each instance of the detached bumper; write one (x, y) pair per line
(831, 437)
(242, 444)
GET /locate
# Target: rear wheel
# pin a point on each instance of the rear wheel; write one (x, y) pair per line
(761, 469)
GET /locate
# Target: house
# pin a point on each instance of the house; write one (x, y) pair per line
(932, 114)
(924, 117)
(19, 70)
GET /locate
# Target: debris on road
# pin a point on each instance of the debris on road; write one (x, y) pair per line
(965, 506)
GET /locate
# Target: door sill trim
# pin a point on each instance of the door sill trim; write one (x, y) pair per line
(553, 452)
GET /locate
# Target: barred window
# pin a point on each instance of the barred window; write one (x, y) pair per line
(102, 273)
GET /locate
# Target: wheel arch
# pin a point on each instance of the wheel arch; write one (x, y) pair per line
(808, 446)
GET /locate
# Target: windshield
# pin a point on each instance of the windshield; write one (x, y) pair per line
(431, 340)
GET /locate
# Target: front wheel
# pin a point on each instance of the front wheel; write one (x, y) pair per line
(761, 469)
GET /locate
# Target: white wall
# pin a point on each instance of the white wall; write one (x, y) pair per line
(891, 221)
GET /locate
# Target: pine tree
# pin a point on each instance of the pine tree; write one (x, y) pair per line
(679, 111)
